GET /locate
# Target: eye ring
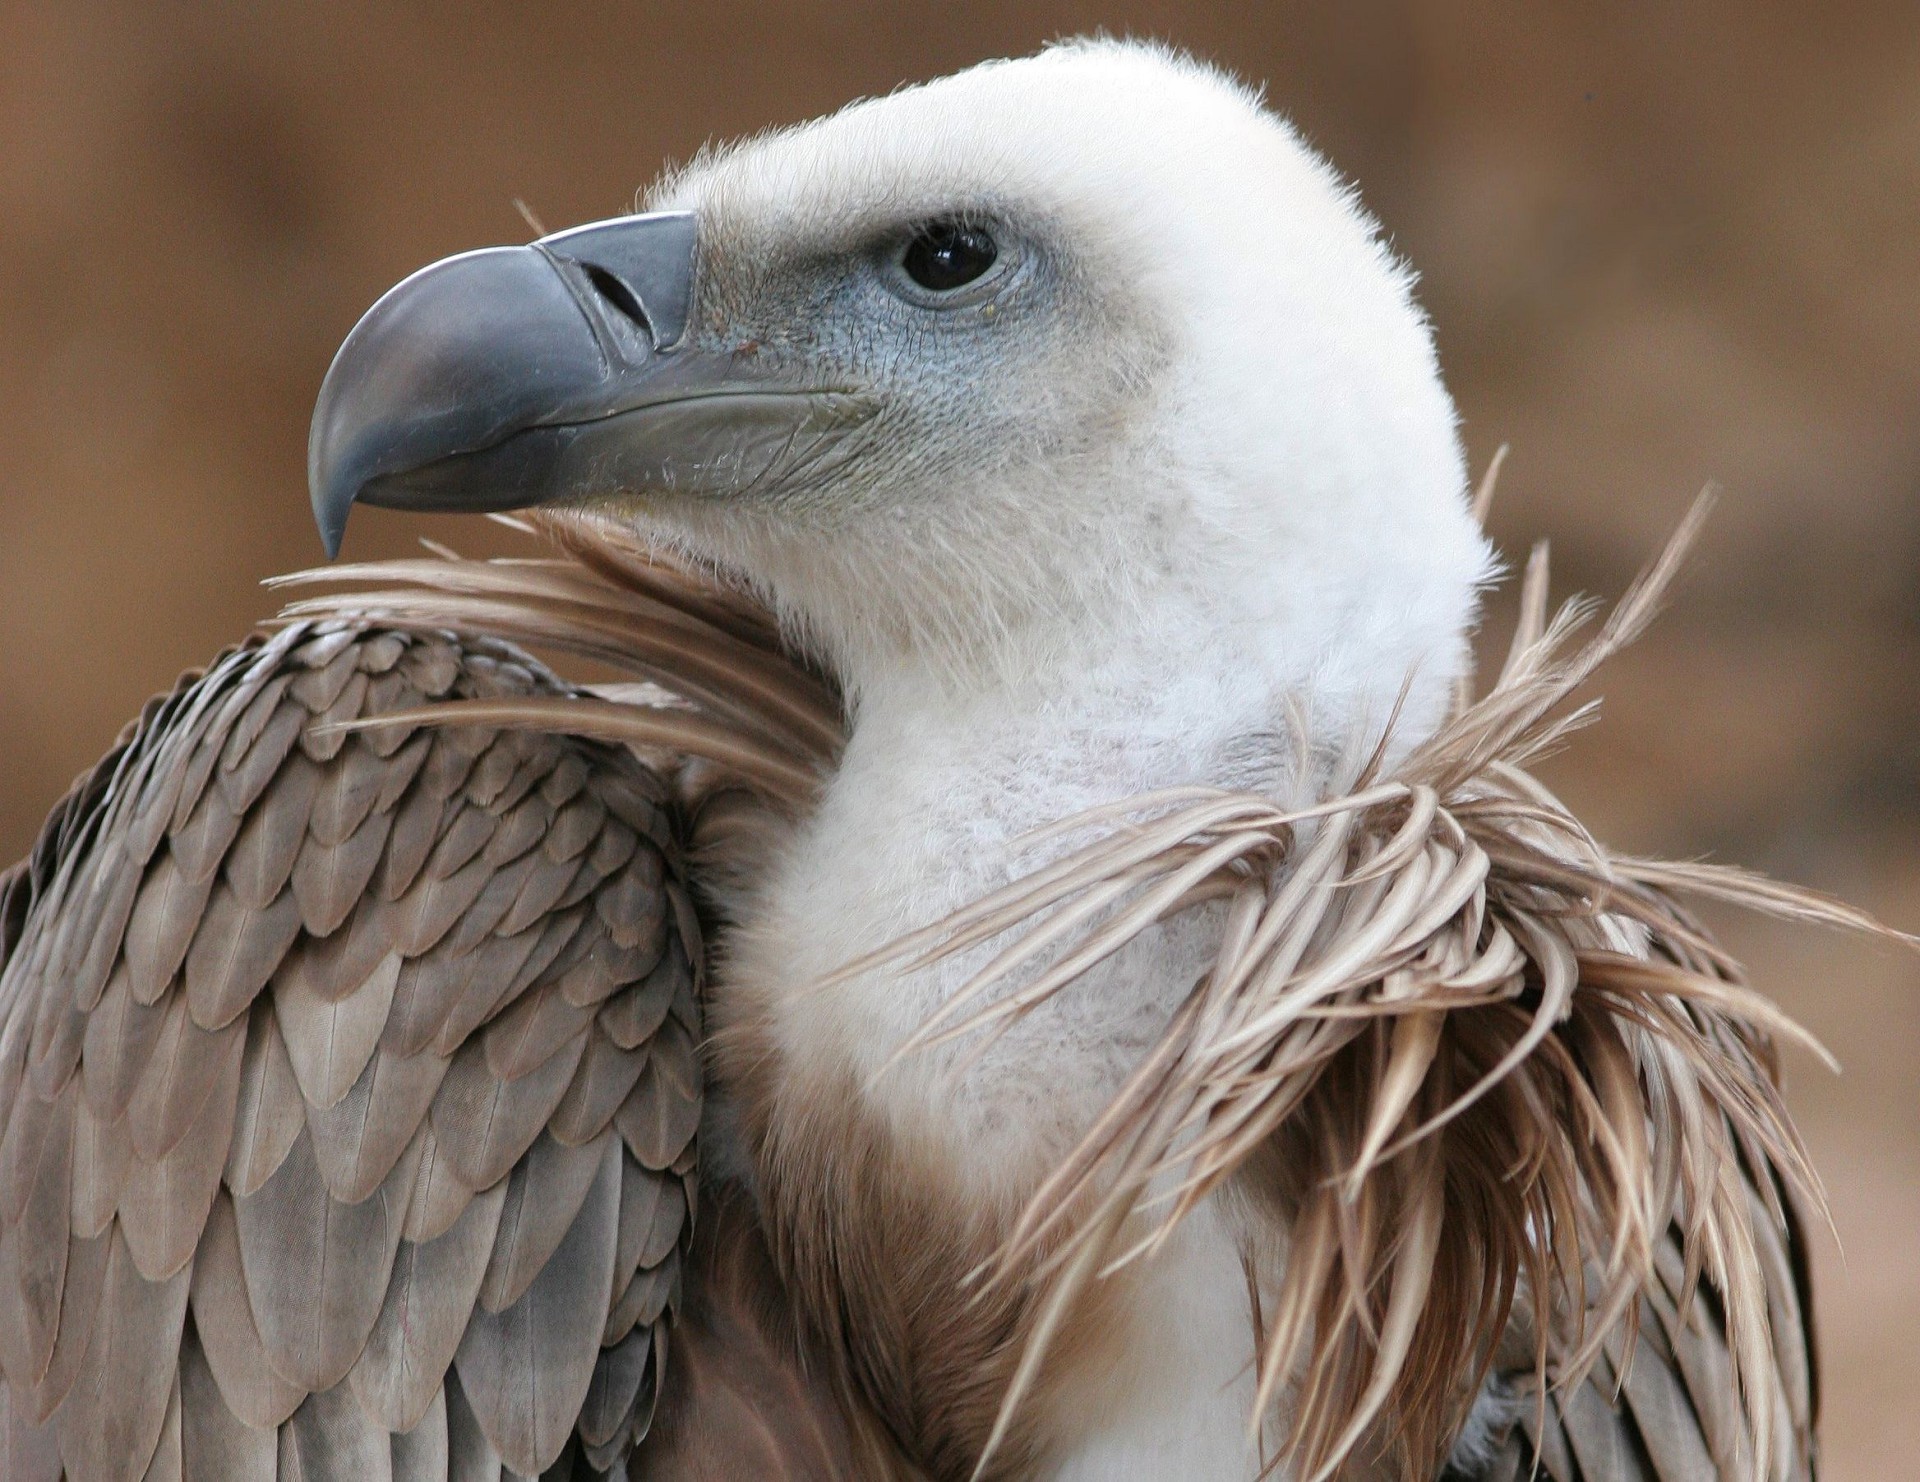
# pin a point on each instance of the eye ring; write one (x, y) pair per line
(948, 261)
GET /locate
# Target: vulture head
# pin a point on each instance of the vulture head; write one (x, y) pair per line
(965, 380)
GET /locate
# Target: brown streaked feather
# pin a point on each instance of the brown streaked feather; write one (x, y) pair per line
(470, 1455)
(235, 950)
(161, 927)
(228, 1337)
(574, 827)
(595, 976)
(605, 1075)
(20, 1153)
(200, 844)
(316, 687)
(427, 912)
(329, 968)
(317, 1271)
(269, 1114)
(334, 1438)
(429, 1300)
(120, 1037)
(492, 771)
(58, 1033)
(420, 1454)
(166, 1463)
(164, 1203)
(425, 993)
(562, 787)
(546, 884)
(632, 1017)
(646, 1296)
(526, 1369)
(526, 1036)
(110, 1421)
(642, 1192)
(347, 796)
(484, 1124)
(444, 997)
(543, 1195)
(186, 1064)
(101, 1154)
(38, 1245)
(114, 895)
(485, 915)
(15, 1039)
(214, 1442)
(524, 826)
(261, 861)
(439, 1196)
(257, 707)
(416, 826)
(661, 1112)
(80, 1300)
(466, 833)
(612, 849)
(669, 1219)
(629, 903)
(612, 1416)
(330, 879)
(323, 739)
(358, 1140)
(456, 750)
(330, 1041)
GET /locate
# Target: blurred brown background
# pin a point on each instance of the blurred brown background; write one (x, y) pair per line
(1663, 244)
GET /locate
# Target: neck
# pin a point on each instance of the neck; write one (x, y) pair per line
(941, 783)
(887, 1182)
(885, 1186)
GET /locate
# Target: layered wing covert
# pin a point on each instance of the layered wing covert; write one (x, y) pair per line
(349, 1085)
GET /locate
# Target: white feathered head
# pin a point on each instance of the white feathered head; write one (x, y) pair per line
(969, 378)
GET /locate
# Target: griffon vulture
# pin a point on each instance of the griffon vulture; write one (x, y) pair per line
(1047, 973)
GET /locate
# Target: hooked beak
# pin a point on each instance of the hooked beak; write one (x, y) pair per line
(554, 373)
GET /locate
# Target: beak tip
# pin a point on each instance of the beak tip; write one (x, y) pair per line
(332, 503)
(330, 542)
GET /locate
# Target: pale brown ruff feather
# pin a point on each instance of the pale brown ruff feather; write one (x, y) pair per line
(320, 931)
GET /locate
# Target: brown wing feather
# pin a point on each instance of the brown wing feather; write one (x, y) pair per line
(1672, 1414)
(327, 1066)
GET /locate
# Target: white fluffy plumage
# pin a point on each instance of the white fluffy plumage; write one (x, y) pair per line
(1193, 508)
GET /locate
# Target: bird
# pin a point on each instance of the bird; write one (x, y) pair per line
(417, 1065)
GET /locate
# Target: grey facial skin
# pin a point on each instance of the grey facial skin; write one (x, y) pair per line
(555, 374)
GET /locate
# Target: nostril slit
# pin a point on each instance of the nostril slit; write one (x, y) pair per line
(619, 295)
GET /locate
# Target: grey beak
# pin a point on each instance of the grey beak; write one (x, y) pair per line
(551, 374)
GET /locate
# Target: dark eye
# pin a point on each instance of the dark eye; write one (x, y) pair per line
(945, 255)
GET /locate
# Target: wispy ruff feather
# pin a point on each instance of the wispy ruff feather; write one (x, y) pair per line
(1475, 1066)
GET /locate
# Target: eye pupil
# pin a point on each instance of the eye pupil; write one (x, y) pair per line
(945, 255)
